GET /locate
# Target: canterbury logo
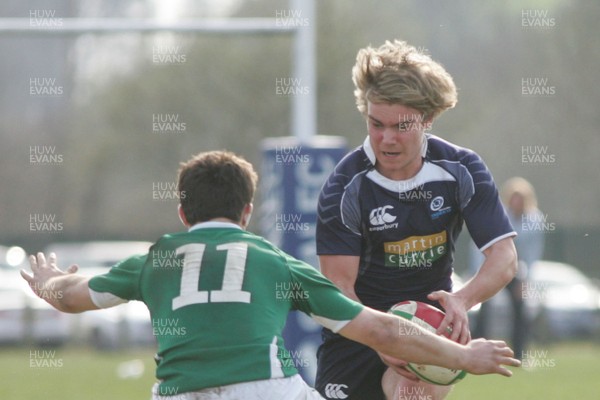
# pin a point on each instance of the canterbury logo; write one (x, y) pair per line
(379, 216)
(334, 390)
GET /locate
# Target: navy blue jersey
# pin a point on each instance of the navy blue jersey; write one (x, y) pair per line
(405, 231)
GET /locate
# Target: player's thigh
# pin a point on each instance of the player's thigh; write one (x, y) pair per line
(348, 370)
(397, 387)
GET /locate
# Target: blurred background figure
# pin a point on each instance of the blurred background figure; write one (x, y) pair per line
(520, 201)
(519, 198)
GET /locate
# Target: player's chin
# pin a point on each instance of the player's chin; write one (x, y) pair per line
(391, 164)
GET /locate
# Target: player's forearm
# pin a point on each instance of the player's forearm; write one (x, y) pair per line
(62, 293)
(498, 269)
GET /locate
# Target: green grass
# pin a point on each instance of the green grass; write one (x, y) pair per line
(560, 372)
(72, 374)
(566, 371)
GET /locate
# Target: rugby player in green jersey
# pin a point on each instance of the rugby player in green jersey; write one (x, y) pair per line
(229, 292)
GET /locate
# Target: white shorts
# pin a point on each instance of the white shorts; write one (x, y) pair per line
(290, 388)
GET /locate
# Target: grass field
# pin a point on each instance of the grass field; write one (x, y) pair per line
(566, 371)
(560, 372)
(69, 374)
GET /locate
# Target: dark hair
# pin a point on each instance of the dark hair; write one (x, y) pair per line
(215, 184)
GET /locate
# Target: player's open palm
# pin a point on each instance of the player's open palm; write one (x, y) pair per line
(43, 271)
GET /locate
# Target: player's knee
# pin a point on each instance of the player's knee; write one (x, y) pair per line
(397, 387)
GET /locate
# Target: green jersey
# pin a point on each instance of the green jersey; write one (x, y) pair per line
(218, 298)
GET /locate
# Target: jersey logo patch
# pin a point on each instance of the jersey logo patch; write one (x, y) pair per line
(380, 219)
(416, 251)
(436, 203)
(335, 391)
(437, 206)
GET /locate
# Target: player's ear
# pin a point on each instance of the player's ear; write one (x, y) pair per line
(182, 217)
(427, 124)
(247, 215)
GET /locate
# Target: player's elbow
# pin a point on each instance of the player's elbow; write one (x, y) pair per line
(511, 265)
(511, 262)
(504, 255)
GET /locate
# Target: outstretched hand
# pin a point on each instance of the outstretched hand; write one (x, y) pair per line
(43, 271)
(490, 356)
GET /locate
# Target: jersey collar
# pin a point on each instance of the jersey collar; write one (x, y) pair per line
(214, 224)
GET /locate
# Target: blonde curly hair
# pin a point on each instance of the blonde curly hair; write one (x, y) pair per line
(398, 73)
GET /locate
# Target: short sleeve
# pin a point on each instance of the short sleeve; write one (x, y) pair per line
(338, 217)
(317, 297)
(122, 280)
(484, 214)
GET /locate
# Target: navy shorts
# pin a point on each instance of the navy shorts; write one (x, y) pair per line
(348, 368)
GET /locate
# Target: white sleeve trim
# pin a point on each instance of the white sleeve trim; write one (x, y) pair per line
(330, 324)
(496, 240)
(105, 299)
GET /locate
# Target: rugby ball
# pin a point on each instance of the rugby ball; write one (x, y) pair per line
(429, 318)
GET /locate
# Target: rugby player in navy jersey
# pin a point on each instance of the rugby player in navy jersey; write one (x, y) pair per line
(391, 211)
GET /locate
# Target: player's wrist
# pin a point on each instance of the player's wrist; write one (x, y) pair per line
(466, 300)
(467, 358)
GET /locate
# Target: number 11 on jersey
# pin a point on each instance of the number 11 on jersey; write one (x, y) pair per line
(233, 277)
